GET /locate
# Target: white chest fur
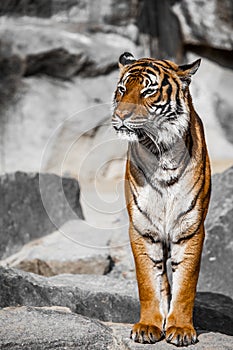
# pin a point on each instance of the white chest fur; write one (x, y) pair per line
(165, 212)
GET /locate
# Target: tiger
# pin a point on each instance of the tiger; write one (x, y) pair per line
(167, 191)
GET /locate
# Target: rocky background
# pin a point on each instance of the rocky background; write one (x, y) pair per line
(67, 274)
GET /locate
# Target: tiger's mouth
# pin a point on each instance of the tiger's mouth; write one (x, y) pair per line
(128, 134)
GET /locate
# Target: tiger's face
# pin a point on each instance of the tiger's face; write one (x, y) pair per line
(151, 99)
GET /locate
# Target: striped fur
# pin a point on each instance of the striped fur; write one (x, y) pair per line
(167, 186)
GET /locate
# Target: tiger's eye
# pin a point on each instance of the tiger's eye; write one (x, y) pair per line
(121, 89)
(149, 91)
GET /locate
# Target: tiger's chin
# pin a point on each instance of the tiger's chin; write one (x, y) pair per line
(127, 135)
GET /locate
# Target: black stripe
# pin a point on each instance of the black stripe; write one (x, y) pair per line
(208, 192)
(168, 64)
(157, 263)
(145, 64)
(186, 238)
(177, 94)
(165, 80)
(144, 213)
(170, 182)
(145, 176)
(176, 263)
(161, 65)
(193, 203)
(146, 235)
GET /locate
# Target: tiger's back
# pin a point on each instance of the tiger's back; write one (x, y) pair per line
(167, 187)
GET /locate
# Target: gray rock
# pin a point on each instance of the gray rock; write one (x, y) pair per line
(107, 299)
(47, 48)
(47, 329)
(113, 12)
(206, 24)
(225, 114)
(217, 263)
(93, 296)
(58, 328)
(41, 8)
(75, 248)
(207, 341)
(29, 202)
(214, 106)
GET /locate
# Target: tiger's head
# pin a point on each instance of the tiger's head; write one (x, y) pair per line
(152, 99)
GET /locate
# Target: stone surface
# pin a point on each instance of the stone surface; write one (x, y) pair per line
(206, 23)
(53, 59)
(47, 329)
(61, 105)
(216, 118)
(103, 11)
(75, 248)
(217, 264)
(41, 8)
(93, 296)
(51, 328)
(47, 48)
(207, 341)
(108, 299)
(28, 204)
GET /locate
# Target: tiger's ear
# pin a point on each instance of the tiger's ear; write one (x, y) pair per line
(186, 71)
(125, 59)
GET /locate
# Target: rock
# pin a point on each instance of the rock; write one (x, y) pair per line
(223, 106)
(217, 264)
(214, 105)
(207, 341)
(122, 256)
(50, 63)
(213, 312)
(41, 8)
(103, 297)
(45, 328)
(120, 12)
(206, 24)
(76, 248)
(93, 296)
(46, 48)
(160, 40)
(57, 135)
(28, 204)
(50, 328)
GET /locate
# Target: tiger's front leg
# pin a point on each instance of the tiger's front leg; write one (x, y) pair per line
(154, 289)
(185, 260)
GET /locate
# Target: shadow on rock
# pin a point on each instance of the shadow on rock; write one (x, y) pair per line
(213, 312)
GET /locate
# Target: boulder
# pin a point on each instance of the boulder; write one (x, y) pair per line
(43, 328)
(29, 202)
(217, 263)
(214, 106)
(94, 296)
(47, 48)
(207, 340)
(111, 12)
(76, 248)
(206, 24)
(52, 328)
(41, 8)
(110, 300)
(81, 105)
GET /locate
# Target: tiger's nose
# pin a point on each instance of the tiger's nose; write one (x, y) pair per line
(122, 115)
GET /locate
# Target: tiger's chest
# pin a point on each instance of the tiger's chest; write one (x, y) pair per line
(164, 210)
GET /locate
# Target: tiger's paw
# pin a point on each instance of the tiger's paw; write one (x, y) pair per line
(144, 333)
(181, 336)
